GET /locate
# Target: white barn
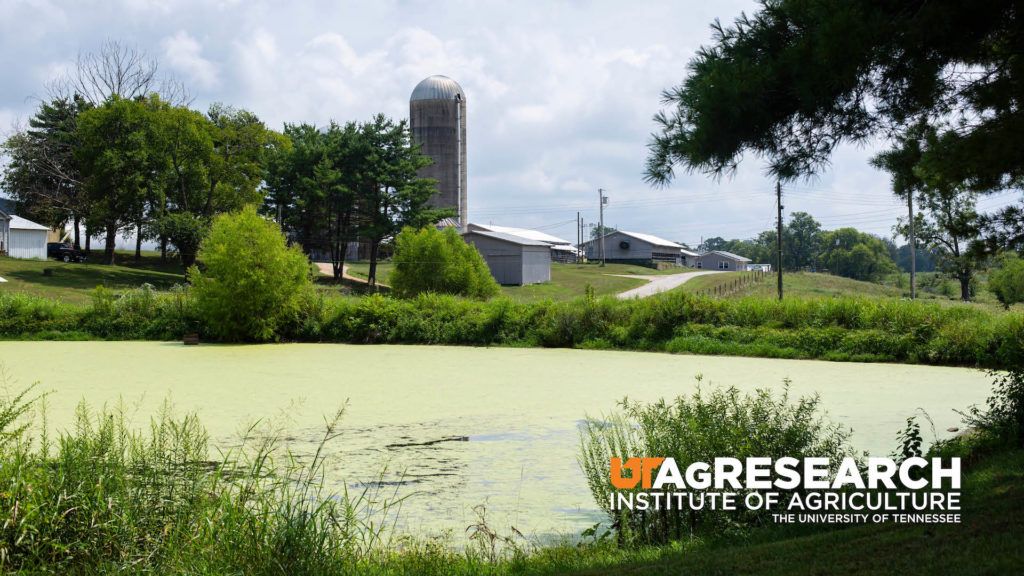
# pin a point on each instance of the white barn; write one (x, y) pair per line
(513, 260)
(561, 250)
(21, 238)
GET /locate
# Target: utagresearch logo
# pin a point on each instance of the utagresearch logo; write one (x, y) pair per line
(879, 490)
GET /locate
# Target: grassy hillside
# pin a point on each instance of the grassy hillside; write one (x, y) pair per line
(567, 280)
(805, 285)
(72, 282)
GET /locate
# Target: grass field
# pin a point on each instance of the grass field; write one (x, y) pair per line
(567, 280)
(73, 282)
(806, 285)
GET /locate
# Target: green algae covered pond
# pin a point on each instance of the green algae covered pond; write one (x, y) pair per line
(457, 427)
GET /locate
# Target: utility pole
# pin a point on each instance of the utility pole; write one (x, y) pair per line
(579, 237)
(913, 245)
(778, 237)
(602, 200)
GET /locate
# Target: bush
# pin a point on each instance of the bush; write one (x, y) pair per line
(252, 280)
(428, 260)
(1007, 282)
(700, 428)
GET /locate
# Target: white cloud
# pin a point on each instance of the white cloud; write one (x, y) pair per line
(560, 96)
(184, 55)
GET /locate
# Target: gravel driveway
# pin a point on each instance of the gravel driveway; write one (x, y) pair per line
(656, 284)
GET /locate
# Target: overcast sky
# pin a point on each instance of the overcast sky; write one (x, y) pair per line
(560, 95)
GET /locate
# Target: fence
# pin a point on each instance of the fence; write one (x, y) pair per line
(734, 284)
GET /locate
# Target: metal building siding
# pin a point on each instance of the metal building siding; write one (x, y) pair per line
(711, 262)
(536, 264)
(28, 244)
(4, 233)
(638, 249)
(513, 264)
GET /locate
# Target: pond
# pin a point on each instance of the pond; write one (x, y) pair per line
(454, 426)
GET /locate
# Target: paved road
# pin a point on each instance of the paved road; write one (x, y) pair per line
(657, 284)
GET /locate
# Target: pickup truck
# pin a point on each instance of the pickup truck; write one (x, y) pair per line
(64, 251)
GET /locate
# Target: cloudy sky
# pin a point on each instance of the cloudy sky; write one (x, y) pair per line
(560, 95)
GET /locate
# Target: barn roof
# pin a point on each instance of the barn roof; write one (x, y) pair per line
(522, 232)
(511, 238)
(19, 223)
(727, 255)
(649, 238)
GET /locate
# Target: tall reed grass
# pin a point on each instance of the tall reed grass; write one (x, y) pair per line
(107, 498)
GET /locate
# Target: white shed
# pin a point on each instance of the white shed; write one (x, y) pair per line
(513, 260)
(21, 238)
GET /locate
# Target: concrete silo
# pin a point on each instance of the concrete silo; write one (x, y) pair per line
(437, 119)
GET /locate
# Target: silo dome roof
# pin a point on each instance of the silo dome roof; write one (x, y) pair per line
(437, 88)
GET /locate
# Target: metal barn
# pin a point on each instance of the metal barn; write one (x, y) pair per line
(513, 260)
(722, 260)
(21, 238)
(622, 246)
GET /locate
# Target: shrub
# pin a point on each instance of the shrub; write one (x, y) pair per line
(252, 280)
(1007, 282)
(700, 428)
(428, 260)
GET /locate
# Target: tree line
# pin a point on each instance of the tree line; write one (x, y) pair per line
(107, 154)
(805, 246)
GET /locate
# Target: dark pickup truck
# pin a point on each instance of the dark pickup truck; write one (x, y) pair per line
(64, 251)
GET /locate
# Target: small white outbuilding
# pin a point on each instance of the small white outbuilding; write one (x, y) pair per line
(21, 238)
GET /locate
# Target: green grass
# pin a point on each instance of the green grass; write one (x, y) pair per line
(73, 282)
(567, 280)
(361, 269)
(570, 281)
(805, 285)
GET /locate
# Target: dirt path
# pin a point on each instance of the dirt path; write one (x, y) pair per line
(328, 269)
(656, 284)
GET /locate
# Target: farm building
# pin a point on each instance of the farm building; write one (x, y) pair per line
(561, 250)
(21, 238)
(513, 260)
(689, 258)
(721, 260)
(622, 246)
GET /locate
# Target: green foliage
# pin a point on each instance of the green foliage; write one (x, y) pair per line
(330, 187)
(910, 441)
(700, 428)
(856, 255)
(41, 172)
(120, 162)
(428, 260)
(793, 80)
(184, 231)
(1003, 420)
(252, 282)
(839, 329)
(1007, 281)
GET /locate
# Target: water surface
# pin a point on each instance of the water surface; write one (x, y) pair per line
(519, 409)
